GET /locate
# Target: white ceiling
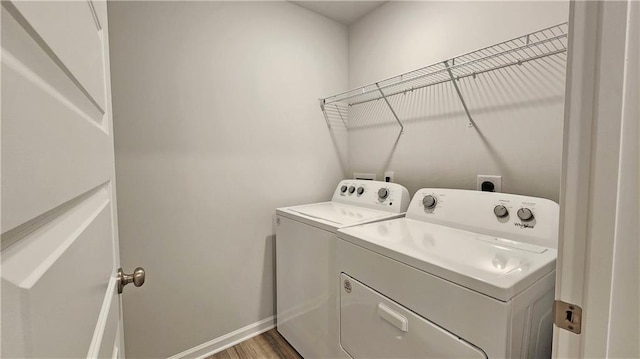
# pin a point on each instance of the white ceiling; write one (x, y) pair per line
(344, 12)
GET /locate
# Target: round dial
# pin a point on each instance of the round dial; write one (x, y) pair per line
(525, 214)
(343, 189)
(500, 211)
(383, 193)
(429, 201)
(352, 189)
(360, 190)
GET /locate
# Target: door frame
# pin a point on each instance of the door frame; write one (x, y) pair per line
(591, 195)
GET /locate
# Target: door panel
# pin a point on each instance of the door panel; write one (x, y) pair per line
(46, 138)
(76, 41)
(59, 230)
(62, 271)
(35, 56)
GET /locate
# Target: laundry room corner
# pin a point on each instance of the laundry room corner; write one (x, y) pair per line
(217, 123)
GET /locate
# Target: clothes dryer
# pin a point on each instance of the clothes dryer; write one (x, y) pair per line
(307, 280)
(465, 274)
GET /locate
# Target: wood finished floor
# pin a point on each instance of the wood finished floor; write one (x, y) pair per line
(269, 344)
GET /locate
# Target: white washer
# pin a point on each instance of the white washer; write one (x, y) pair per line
(465, 274)
(307, 280)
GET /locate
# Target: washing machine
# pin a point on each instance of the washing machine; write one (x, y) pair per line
(465, 274)
(307, 280)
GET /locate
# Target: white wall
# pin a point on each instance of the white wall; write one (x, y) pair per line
(216, 124)
(518, 112)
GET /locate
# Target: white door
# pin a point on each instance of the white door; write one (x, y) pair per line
(59, 226)
(598, 259)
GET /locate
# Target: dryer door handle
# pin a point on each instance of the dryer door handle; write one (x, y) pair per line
(394, 318)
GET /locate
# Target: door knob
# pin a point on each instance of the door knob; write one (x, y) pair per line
(137, 278)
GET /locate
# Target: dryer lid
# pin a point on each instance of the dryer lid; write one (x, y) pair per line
(497, 267)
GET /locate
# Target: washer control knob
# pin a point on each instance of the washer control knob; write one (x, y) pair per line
(352, 189)
(500, 211)
(343, 189)
(360, 190)
(383, 193)
(429, 201)
(525, 214)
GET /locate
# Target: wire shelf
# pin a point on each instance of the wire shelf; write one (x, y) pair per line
(536, 45)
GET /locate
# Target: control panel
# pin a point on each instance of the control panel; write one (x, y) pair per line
(530, 219)
(386, 196)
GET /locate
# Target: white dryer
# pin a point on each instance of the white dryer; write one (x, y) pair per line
(465, 274)
(307, 280)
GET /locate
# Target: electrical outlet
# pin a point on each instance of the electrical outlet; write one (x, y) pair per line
(489, 183)
(388, 176)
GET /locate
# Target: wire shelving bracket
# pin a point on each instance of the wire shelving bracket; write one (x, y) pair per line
(391, 108)
(455, 85)
(543, 43)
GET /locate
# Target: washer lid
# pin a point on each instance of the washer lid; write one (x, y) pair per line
(497, 267)
(334, 214)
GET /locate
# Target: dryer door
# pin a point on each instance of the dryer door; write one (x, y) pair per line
(374, 326)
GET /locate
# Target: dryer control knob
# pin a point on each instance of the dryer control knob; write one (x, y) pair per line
(429, 201)
(343, 189)
(500, 211)
(360, 190)
(525, 214)
(352, 189)
(383, 193)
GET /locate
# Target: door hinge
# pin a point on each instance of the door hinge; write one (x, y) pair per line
(567, 316)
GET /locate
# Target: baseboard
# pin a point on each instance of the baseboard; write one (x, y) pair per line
(228, 340)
